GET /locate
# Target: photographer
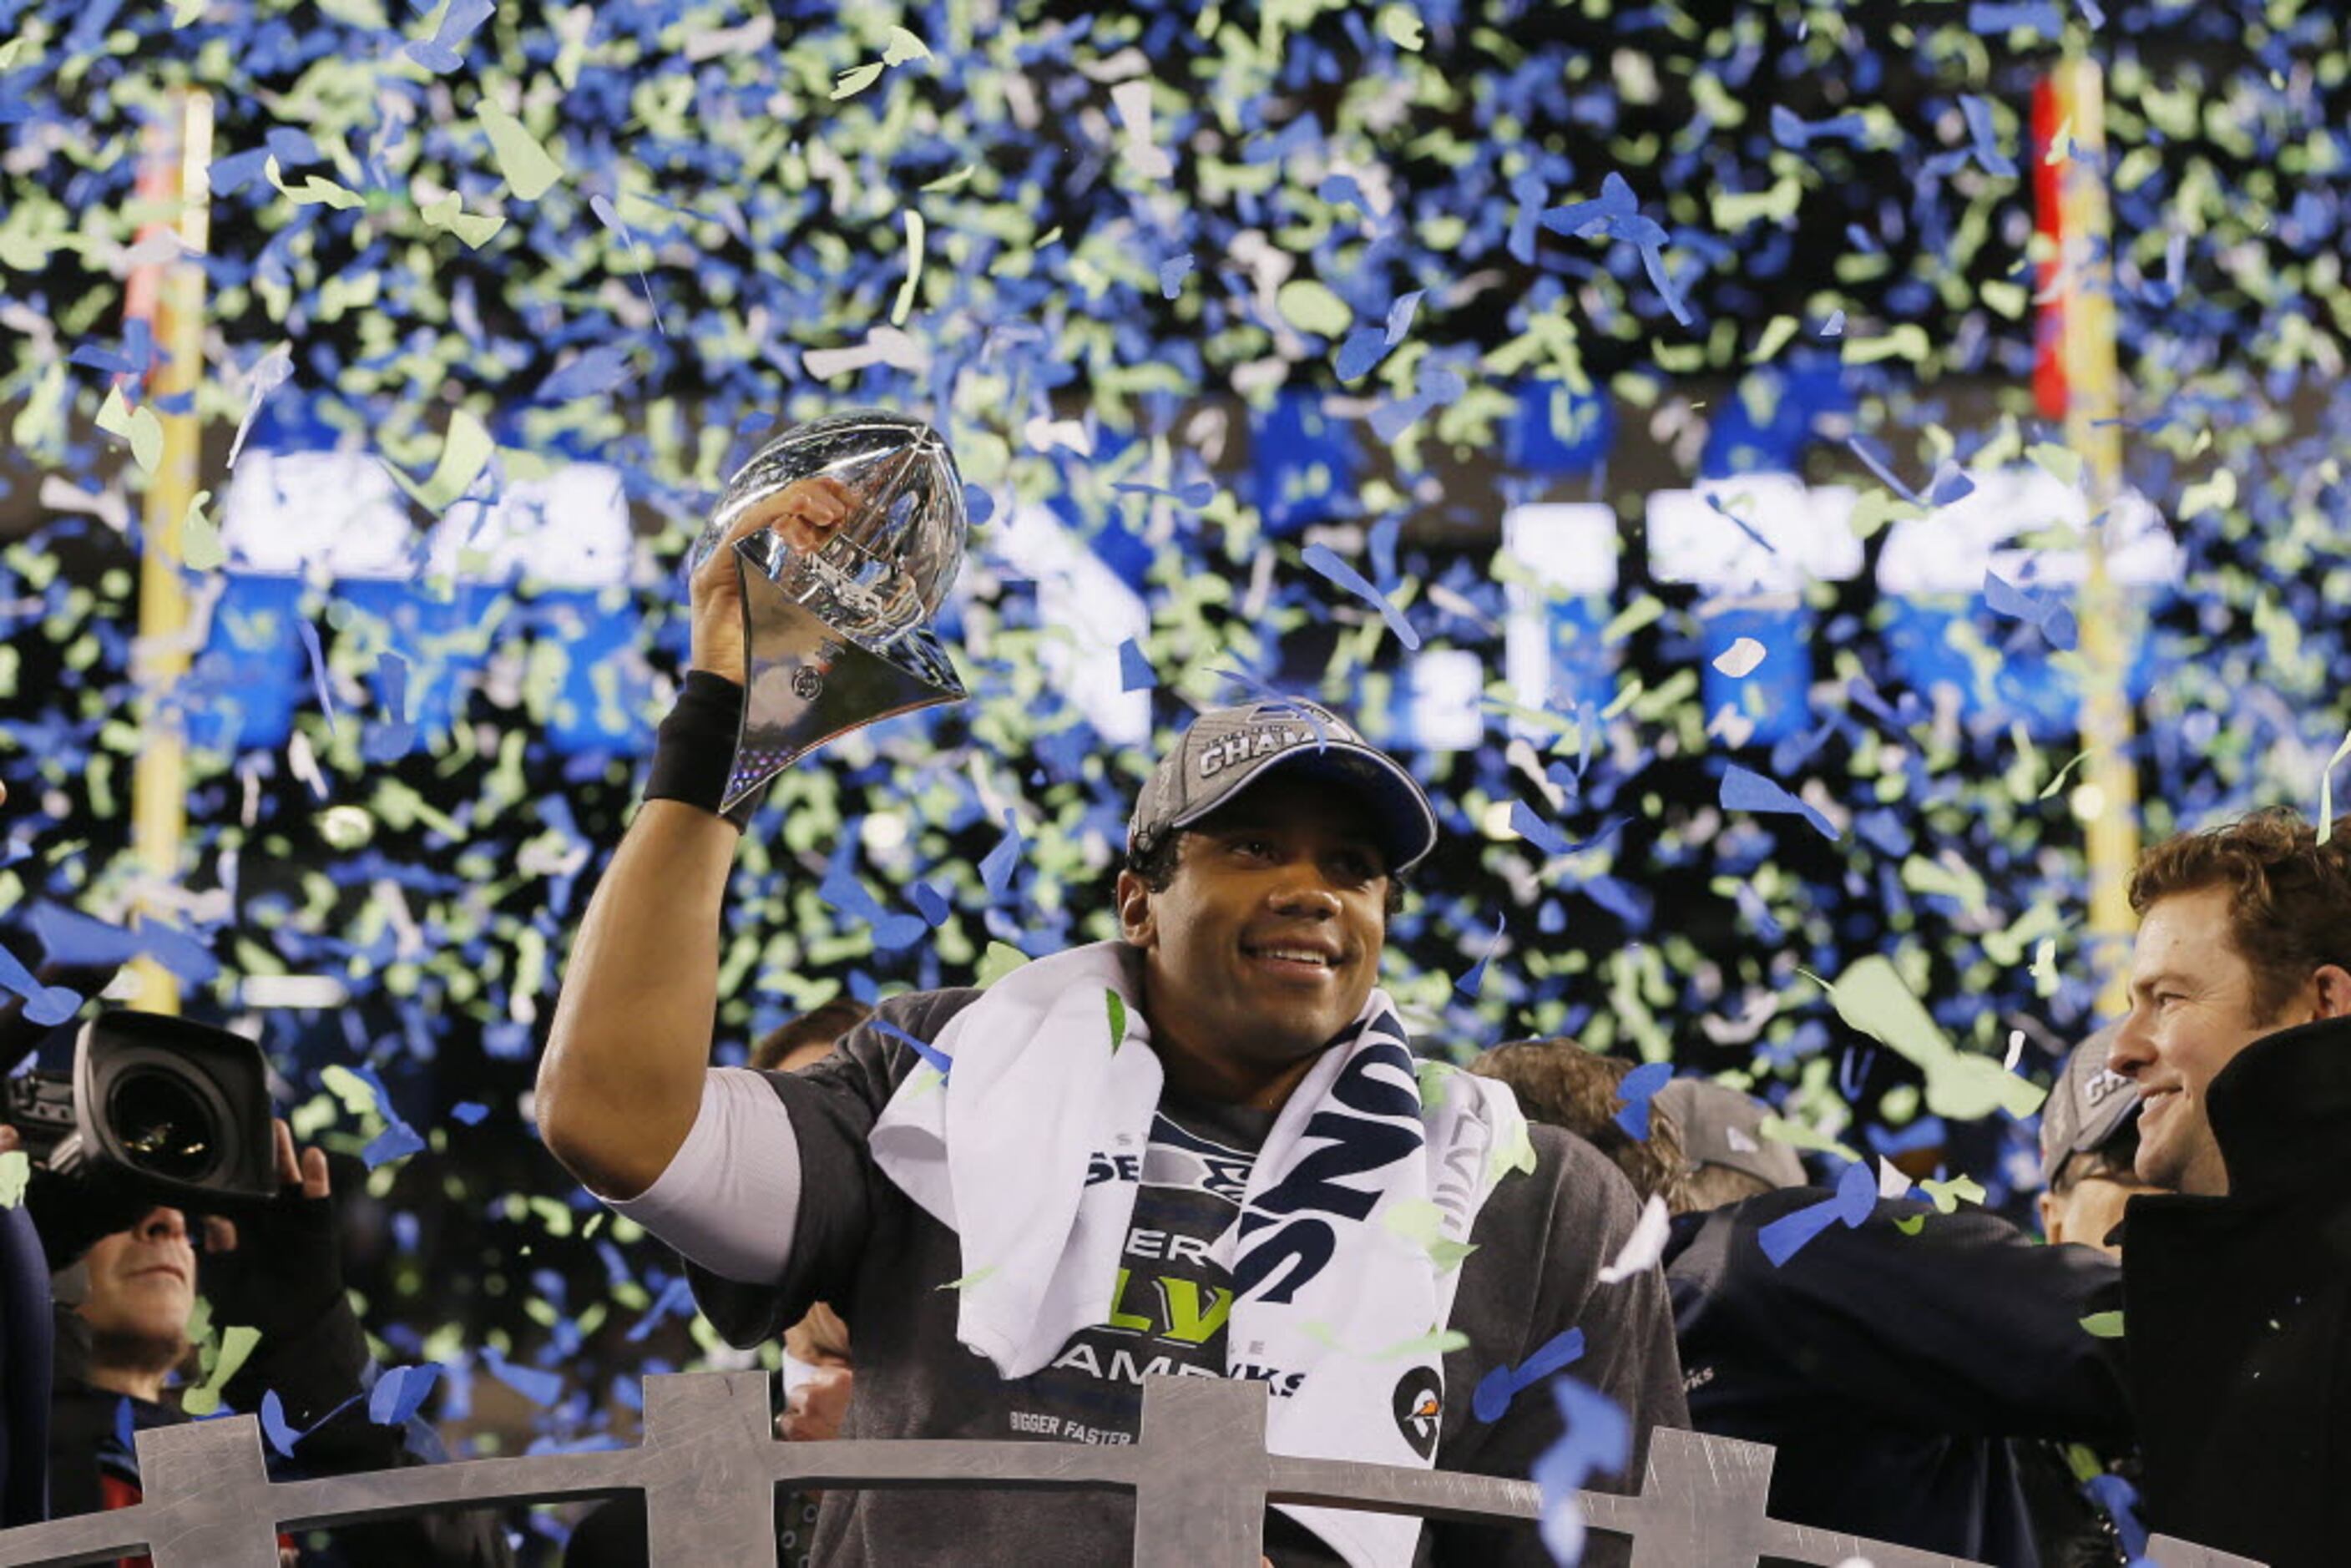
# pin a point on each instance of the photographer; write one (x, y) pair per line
(124, 1300)
(25, 1355)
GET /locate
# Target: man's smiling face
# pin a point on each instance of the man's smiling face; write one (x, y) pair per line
(1267, 941)
(2193, 1007)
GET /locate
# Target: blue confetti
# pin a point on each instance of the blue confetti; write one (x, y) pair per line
(1854, 1200)
(598, 369)
(2040, 16)
(676, 1300)
(396, 1142)
(1321, 559)
(997, 866)
(1470, 983)
(1400, 315)
(282, 1437)
(1797, 134)
(2119, 1498)
(1597, 1440)
(440, 55)
(1743, 790)
(1985, 137)
(1134, 671)
(538, 1387)
(930, 1053)
(1499, 1388)
(400, 1393)
(2050, 614)
(1536, 831)
(45, 1005)
(1364, 348)
(1878, 466)
(237, 170)
(309, 633)
(1636, 1089)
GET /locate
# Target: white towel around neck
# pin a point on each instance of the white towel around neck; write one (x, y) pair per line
(1332, 1255)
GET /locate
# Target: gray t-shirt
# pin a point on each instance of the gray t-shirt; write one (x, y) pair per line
(861, 1245)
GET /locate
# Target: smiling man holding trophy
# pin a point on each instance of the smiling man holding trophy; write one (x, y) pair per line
(1204, 1148)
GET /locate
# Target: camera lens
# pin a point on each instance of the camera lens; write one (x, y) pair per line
(165, 1129)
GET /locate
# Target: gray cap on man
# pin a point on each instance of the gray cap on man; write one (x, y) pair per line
(1229, 749)
(2087, 1106)
(1720, 1126)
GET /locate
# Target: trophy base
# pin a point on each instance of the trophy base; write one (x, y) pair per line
(807, 683)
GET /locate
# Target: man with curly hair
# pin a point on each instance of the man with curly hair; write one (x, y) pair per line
(2237, 1284)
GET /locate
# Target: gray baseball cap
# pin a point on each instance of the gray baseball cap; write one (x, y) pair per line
(1720, 1126)
(2089, 1103)
(1227, 749)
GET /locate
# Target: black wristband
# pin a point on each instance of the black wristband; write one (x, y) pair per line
(695, 746)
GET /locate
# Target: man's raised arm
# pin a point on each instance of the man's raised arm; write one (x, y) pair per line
(621, 1082)
(621, 1078)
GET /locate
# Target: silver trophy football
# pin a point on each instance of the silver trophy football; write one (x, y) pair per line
(839, 636)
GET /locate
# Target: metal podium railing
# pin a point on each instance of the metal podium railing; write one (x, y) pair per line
(710, 1463)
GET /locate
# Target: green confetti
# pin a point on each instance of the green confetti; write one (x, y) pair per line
(1643, 611)
(1798, 1137)
(1436, 1342)
(316, 190)
(2007, 298)
(345, 827)
(464, 454)
(2327, 790)
(237, 1342)
(527, 167)
(1435, 1084)
(200, 540)
(2104, 1325)
(138, 425)
(1402, 26)
(1513, 1151)
(856, 79)
(1737, 210)
(448, 213)
(1422, 1223)
(1870, 996)
(914, 235)
(902, 47)
(2059, 782)
(1000, 959)
(311, 1117)
(186, 11)
(1775, 336)
(1950, 878)
(968, 1281)
(1310, 307)
(16, 1170)
(357, 1099)
(2217, 494)
(1117, 1018)
(1949, 1195)
(1911, 1224)
(1907, 341)
(2060, 462)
